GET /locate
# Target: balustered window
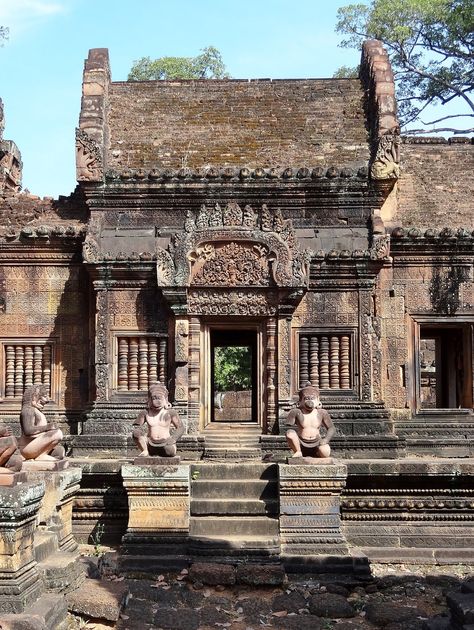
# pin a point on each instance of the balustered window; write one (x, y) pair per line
(24, 364)
(142, 360)
(325, 359)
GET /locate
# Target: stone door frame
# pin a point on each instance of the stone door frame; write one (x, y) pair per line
(211, 324)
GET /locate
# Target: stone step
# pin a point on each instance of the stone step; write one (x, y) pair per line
(62, 572)
(253, 548)
(49, 612)
(238, 471)
(233, 526)
(233, 454)
(44, 544)
(229, 489)
(234, 507)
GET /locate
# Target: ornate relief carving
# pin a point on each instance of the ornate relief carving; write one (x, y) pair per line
(165, 269)
(215, 302)
(229, 245)
(89, 164)
(386, 162)
(231, 264)
(380, 248)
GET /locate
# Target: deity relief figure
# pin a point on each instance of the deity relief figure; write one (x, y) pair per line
(305, 439)
(152, 433)
(40, 439)
(10, 458)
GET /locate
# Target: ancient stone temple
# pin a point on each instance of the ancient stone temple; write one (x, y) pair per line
(288, 217)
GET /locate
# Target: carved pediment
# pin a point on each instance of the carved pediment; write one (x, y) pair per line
(235, 247)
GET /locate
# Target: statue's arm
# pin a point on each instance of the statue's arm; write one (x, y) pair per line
(178, 425)
(330, 428)
(293, 418)
(29, 426)
(141, 419)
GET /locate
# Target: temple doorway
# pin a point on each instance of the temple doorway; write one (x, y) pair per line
(445, 376)
(234, 375)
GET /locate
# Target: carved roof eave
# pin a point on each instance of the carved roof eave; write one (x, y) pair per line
(433, 242)
(222, 174)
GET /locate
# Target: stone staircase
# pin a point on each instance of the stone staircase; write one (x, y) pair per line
(232, 440)
(234, 511)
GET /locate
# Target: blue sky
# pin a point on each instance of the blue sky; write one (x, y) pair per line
(41, 64)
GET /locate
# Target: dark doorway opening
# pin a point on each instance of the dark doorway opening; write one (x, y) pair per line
(234, 387)
(445, 367)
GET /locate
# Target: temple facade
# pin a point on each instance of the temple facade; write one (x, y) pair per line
(286, 216)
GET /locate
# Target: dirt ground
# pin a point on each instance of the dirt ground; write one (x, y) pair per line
(395, 597)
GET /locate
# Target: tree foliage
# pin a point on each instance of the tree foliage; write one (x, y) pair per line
(431, 47)
(4, 32)
(232, 368)
(207, 65)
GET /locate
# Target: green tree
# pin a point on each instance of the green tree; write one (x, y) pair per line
(431, 47)
(232, 368)
(4, 32)
(207, 65)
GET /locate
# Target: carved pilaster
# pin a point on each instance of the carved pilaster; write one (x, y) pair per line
(284, 356)
(271, 376)
(101, 346)
(365, 301)
(194, 392)
(181, 358)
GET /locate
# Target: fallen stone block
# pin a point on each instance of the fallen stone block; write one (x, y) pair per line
(98, 599)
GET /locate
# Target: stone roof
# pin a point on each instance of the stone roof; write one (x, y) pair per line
(258, 123)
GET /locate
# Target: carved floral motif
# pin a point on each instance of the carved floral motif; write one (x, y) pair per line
(215, 302)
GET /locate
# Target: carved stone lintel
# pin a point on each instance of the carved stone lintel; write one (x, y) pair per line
(231, 302)
(89, 161)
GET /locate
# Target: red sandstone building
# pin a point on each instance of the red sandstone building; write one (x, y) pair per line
(285, 215)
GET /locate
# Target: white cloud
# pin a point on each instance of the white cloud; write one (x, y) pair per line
(18, 15)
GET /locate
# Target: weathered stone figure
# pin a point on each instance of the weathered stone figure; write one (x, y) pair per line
(40, 439)
(305, 438)
(10, 458)
(152, 433)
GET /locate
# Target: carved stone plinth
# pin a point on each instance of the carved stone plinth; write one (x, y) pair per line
(20, 584)
(41, 465)
(156, 461)
(159, 507)
(56, 509)
(310, 519)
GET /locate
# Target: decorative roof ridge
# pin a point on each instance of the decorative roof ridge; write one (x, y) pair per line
(431, 234)
(228, 173)
(45, 232)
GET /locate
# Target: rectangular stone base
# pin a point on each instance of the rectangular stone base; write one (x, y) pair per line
(156, 461)
(324, 563)
(309, 460)
(35, 465)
